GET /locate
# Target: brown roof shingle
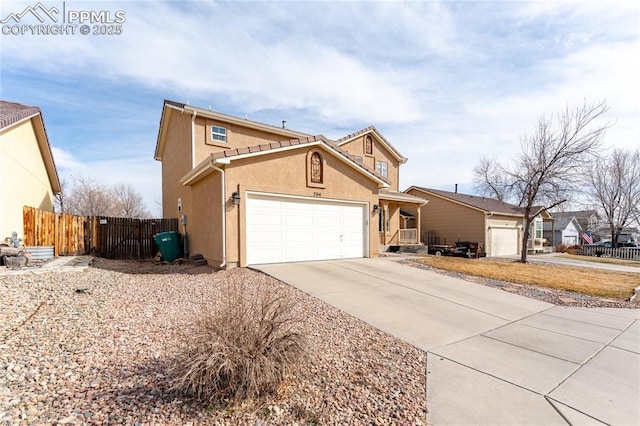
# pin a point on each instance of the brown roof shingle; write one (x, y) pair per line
(477, 201)
(11, 113)
(229, 153)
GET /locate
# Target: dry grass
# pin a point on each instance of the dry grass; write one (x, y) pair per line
(241, 346)
(592, 282)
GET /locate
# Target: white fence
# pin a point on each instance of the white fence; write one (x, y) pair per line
(627, 253)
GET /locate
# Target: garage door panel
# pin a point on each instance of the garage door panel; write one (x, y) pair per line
(504, 241)
(300, 230)
(298, 220)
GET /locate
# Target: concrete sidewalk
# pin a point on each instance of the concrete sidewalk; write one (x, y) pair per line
(492, 357)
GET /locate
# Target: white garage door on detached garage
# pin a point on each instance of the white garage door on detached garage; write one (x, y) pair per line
(504, 241)
(286, 229)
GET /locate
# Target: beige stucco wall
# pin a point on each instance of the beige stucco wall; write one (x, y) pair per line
(204, 218)
(176, 162)
(23, 178)
(380, 153)
(237, 137)
(285, 173)
(450, 221)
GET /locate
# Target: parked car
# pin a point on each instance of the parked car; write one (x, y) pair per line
(606, 244)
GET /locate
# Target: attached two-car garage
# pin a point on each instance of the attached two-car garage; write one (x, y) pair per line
(293, 229)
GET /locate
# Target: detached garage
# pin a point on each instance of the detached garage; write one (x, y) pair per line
(293, 229)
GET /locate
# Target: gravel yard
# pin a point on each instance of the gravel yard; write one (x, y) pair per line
(101, 355)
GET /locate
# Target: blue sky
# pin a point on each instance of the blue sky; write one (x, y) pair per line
(445, 82)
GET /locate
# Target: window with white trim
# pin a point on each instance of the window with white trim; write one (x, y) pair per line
(538, 227)
(382, 168)
(218, 134)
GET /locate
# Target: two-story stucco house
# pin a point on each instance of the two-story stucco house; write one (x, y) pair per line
(28, 175)
(254, 193)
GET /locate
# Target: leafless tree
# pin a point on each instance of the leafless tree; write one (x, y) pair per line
(550, 166)
(128, 202)
(59, 202)
(87, 197)
(490, 180)
(614, 184)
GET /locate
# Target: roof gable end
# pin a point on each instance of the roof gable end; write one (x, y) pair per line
(378, 136)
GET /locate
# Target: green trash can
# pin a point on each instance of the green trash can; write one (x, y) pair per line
(169, 244)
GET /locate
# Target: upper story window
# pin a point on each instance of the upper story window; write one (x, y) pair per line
(218, 134)
(368, 145)
(382, 168)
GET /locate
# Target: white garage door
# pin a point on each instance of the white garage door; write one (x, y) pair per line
(504, 241)
(292, 230)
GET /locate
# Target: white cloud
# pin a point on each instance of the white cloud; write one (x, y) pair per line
(444, 82)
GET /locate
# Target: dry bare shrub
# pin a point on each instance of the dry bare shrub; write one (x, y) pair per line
(561, 248)
(242, 345)
(574, 250)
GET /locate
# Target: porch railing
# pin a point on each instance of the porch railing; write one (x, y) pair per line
(408, 236)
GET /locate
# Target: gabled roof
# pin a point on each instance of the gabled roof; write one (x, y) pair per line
(372, 130)
(561, 223)
(227, 156)
(12, 114)
(578, 214)
(192, 111)
(484, 204)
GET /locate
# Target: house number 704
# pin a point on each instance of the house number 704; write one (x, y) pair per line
(317, 194)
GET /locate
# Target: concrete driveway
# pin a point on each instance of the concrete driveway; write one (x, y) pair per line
(492, 357)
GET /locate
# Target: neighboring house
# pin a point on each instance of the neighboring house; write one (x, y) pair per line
(450, 217)
(28, 174)
(563, 230)
(255, 193)
(589, 220)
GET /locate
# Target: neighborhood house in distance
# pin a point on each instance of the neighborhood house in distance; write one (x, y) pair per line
(28, 175)
(253, 193)
(498, 226)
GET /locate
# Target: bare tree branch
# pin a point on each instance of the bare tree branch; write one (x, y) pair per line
(550, 165)
(615, 185)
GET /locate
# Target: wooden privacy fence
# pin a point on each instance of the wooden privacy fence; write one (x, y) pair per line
(109, 237)
(65, 232)
(123, 238)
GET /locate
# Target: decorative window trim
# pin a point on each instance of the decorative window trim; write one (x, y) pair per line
(315, 177)
(218, 134)
(368, 145)
(382, 168)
